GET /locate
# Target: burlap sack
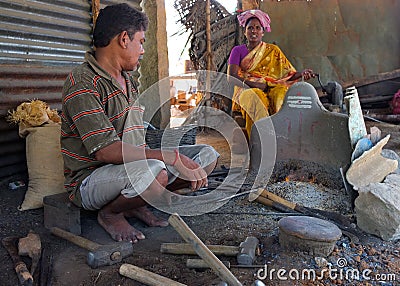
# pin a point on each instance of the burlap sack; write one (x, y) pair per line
(45, 164)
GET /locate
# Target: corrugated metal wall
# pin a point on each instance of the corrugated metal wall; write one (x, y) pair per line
(40, 42)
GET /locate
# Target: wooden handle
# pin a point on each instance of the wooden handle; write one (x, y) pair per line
(146, 277)
(270, 203)
(201, 264)
(258, 198)
(187, 248)
(201, 249)
(76, 239)
(266, 194)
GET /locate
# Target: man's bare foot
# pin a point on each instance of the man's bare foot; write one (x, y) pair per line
(118, 227)
(145, 215)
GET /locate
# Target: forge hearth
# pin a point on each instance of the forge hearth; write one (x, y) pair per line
(308, 172)
(310, 184)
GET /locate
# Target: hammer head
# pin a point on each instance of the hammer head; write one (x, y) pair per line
(109, 254)
(247, 251)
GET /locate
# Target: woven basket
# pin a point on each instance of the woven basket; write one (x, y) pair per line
(171, 137)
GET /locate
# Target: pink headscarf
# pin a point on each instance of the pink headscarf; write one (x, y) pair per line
(260, 15)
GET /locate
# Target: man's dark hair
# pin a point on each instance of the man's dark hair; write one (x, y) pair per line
(115, 19)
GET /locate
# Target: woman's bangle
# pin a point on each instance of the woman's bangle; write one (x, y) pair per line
(243, 82)
(176, 157)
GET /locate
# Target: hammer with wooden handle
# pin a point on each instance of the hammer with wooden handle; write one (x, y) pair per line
(98, 255)
(187, 248)
(245, 253)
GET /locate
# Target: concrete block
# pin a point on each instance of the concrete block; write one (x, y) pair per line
(59, 211)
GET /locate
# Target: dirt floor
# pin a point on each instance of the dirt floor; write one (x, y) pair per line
(227, 225)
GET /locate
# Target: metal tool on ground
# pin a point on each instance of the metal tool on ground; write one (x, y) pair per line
(31, 246)
(245, 253)
(201, 264)
(99, 255)
(146, 277)
(24, 276)
(187, 248)
(268, 202)
(197, 263)
(201, 249)
(322, 214)
(344, 223)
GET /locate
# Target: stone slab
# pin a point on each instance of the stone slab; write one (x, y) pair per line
(378, 208)
(371, 166)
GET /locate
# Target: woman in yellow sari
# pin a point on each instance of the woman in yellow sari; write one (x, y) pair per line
(265, 72)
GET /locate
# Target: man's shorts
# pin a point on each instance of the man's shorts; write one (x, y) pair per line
(131, 179)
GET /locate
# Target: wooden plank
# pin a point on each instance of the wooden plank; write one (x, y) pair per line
(373, 79)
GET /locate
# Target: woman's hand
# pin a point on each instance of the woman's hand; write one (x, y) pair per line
(258, 84)
(189, 170)
(307, 74)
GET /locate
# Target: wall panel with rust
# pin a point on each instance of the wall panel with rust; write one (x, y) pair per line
(40, 42)
(343, 40)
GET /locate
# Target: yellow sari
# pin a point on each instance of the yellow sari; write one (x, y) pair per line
(265, 63)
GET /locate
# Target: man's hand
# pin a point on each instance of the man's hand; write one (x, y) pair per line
(191, 171)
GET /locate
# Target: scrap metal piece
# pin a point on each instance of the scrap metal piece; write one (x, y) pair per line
(304, 130)
(357, 129)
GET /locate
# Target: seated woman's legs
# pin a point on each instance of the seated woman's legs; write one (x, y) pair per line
(254, 104)
(276, 96)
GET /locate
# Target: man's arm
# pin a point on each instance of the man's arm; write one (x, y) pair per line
(119, 152)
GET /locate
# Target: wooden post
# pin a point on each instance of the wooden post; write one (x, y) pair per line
(95, 11)
(208, 39)
(209, 59)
